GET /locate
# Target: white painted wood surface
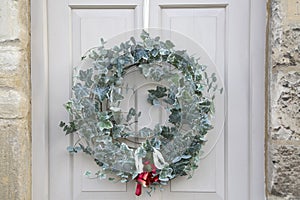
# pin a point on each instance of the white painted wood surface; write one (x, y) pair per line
(74, 27)
(231, 31)
(89, 25)
(205, 24)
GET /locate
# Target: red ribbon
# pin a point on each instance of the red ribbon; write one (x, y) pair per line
(145, 179)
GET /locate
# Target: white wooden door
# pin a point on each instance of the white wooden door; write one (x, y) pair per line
(234, 39)
(75, 27)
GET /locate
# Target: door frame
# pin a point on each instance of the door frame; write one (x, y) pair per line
(39, 79)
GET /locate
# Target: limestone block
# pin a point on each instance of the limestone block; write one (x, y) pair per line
(9, 63)
(276, 17)
(285, 36)
(15, 159)
(8, 20)
(14, 69)
(284, 165)
(285, 113)
(288, 52)
(293, 14)
(13, 104)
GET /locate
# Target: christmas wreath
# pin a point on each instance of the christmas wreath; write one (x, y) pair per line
(108, 132)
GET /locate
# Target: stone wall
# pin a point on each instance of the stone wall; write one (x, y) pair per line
(283, 144)
(15, 138)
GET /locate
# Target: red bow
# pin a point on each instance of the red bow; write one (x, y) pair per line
(145, 179)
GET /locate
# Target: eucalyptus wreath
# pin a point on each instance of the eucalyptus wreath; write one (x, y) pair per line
(108, 133)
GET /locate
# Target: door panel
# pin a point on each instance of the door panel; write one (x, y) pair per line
(75, 27)
(222, 28)
(89, 25)
(205, 25)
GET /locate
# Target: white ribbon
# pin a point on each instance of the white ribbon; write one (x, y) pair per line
(138, 163)
(158, 159)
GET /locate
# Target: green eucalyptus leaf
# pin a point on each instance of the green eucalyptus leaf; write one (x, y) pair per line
(123, 180)
(131, 114)
(86, 76)
(221, 90)
(149, 43)
(141, 152)
(140, 54)
(101, 67)
(169, 44)
(159, 92)
(80, 91)
(102, 41)
(157, 73)
(70, 149)
(116, 96)
(155, 102)
(102, 92)
(77, 149)
(117, 130)
(145, 132)
(115, 109)
(87, 173)
(132, 39)
(186, 156)
(175, 117)
(214, 79)
(104, 124)
(177, 159)
(145, 69)
(154, 52)
(62, 124)
(164, 52)
(102, 176)
(144, 35)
